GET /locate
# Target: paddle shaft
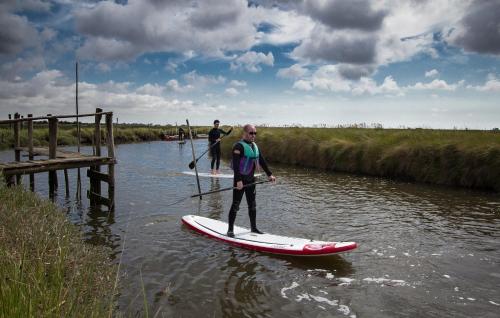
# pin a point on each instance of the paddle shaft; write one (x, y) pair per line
(230, 188)
(191, 164)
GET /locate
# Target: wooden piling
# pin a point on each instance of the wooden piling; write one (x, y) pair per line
(30, 150)
(194, 158)
(110, 141)
(95, 183)
(66, 182)
(53, 184)
(109, 137)
(17, 143)
(63, 160)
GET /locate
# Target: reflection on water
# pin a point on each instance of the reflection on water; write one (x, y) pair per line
(423, 250)
(215, 200)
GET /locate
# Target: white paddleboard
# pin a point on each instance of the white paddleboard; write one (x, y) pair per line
(269, 243)
(209, 175)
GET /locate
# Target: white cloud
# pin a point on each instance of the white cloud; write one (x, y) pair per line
(432, 73)
(329, 78)
(103, 67)
(21, 65)
(125, 31)
(151, 89)
(404, 29)
(251, 61)
(491, 85)
(174, 85)
(436, 84)
(237, 83)
(50, 92)
(231, 91)
(198, 80)
(303, 85)
(294, 71)
(17, 34)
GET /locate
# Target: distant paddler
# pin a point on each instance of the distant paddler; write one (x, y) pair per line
(181, 134)
(214, 138)
(246, 159)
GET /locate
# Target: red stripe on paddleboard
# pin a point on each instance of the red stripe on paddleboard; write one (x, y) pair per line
(309, 249)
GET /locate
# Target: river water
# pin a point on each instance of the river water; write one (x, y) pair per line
(424, 251)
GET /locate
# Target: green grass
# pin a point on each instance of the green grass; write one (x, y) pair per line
(67, 134)
(45, 268)
(450, 157)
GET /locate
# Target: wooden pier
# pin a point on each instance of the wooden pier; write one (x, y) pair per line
(63, 160)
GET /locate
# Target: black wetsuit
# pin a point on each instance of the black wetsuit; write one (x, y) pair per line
(249, 191)
(213, 135)
(181, 133)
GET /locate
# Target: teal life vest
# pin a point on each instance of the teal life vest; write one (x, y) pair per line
(248, 158)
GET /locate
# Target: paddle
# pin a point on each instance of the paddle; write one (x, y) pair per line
(220, 190)
(191, 164)
(229, 188)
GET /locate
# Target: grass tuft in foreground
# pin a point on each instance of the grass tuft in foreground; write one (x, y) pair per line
(45, 268)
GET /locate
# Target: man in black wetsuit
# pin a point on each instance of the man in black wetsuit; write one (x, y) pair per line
(181, 134)
(214, 137)
(246, 158)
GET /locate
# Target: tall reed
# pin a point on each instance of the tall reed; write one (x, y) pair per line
(448, 157)
(45, 268)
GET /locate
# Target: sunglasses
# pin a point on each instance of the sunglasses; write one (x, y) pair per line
(252, 133)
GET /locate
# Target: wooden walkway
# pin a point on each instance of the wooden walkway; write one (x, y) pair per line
(36, 166)
(63, 160)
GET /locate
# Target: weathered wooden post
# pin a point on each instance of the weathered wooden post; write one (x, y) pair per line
(111, 154)
(95, 183)
(17, 143)
(30, 150)
(194, 158)
(53, 184)
(66, 182)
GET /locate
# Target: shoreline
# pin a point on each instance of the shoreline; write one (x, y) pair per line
(469, 159)
(46, 267)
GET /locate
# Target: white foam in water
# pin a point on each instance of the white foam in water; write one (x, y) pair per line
(471, 299)
(302, 296)
(494, 303)
(294, 285)
(320, 299)
(436, 254)
(346, 280)
(447, 276)
(406, 254)
(325, 300)
(387, 281)
(456, 288)
(344, 309)
(330, 276)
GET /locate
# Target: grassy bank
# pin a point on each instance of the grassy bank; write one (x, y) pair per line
(448, 157)
(45, 268)
(67, 134)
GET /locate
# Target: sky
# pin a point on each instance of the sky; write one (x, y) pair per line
(395, 63)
